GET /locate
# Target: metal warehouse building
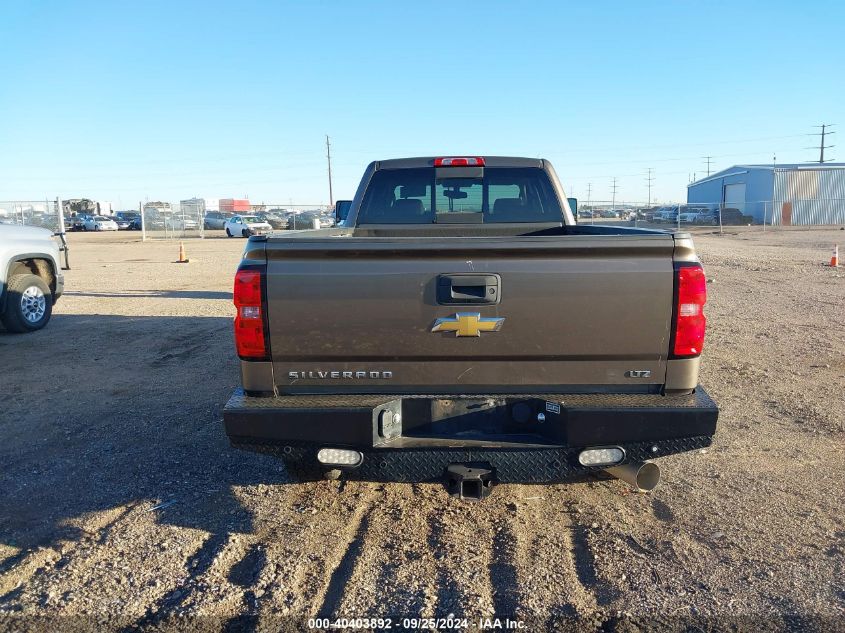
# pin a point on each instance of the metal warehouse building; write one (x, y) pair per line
(778, 194)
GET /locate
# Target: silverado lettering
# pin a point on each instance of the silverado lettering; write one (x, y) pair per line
(376, 375)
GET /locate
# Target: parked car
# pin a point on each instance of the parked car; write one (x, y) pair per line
(99, 223)
(707, 216)
(215, 220)
(705, 213)
(46, 220)
(667, 214)
(304, 220)
(246, 225)
(273, 219)
(77, 222)
(732, 217)
(648, 214)
(153, 221)
(181, 223)
(125, 219)
(31, 279)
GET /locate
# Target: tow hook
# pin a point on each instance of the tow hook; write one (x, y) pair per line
(469, 482)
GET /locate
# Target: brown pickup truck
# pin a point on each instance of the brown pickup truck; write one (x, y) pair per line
(459, 324)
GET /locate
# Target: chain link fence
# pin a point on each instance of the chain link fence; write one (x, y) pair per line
(764, 214)
(172, 220)
(295, 217)
(196, 218)
(674, 215)
(43, 213)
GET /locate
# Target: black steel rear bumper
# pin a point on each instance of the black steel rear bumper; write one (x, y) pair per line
(525, 438)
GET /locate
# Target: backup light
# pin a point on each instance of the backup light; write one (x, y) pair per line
(339, 457)
(462, 161)
(601, 456)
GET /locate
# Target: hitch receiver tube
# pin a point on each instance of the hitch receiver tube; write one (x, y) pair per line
(469, 482)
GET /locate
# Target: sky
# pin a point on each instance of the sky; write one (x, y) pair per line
(135, 101)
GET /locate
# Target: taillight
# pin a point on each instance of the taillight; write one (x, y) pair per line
(691, 287)
(463, 161)
(250, 333)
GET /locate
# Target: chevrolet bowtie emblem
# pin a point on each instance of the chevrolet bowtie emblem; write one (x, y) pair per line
(467, 324)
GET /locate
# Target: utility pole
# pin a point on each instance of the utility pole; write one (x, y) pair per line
(649, 179)
(589, 191)
(772, 202)
(708, 158)
(329, 159)
(613, 202)
(822, 146)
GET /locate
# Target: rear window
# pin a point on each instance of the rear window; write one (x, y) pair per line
(501, 195)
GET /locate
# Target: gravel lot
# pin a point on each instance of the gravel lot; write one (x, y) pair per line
(123, 506)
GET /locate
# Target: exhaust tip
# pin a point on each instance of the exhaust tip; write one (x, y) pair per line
(644, 476)
(648, 476)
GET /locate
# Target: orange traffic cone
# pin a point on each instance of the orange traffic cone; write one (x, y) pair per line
(182, 259)
(834, 260)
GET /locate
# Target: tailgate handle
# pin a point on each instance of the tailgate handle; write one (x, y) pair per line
(468, 289)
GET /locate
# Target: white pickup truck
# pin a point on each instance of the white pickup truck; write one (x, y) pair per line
(31, 278)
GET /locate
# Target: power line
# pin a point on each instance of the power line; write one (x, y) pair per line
(613, 203)
(655, 160)
(649, 180)
(639, 148)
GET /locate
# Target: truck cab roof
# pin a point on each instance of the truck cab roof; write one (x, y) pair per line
(489, 161)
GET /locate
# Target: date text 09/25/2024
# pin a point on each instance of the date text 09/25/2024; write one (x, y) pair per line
(415, 624)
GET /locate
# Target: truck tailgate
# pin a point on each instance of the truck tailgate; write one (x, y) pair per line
(579, 313)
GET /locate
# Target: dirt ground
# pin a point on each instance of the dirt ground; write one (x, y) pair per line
(122, 505)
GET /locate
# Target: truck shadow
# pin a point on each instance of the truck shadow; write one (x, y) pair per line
(155, 294)
(101, 413)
